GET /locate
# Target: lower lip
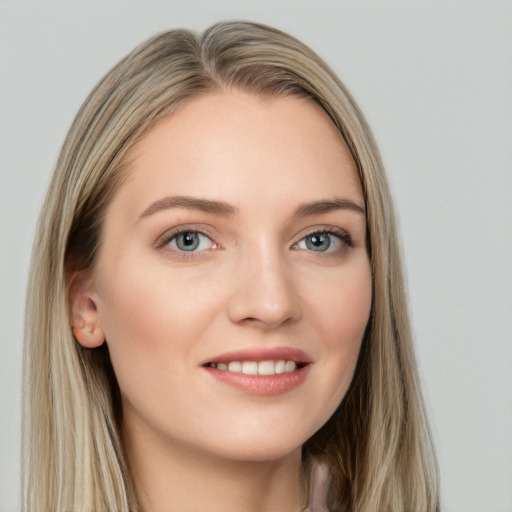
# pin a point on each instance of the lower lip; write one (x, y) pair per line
(263, 385)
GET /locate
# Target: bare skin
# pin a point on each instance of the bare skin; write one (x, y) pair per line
(240, 228)
(226, 485)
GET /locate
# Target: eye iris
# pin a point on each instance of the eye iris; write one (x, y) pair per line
(318, 242)
(187, 241)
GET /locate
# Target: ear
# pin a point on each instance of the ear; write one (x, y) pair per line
(84, 313)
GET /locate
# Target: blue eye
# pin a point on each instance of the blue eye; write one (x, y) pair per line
(323, 241)
(319, 242)
(190, 241)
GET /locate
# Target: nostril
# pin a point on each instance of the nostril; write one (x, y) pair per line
(249, 320)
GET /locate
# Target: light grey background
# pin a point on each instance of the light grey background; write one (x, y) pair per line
(434, 81)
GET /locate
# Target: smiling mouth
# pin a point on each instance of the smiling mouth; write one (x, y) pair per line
(269, 367)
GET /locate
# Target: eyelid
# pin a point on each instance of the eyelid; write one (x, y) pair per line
(164, 239)
(340, 233)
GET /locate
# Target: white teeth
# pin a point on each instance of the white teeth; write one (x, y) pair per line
(280, 366)
(290, 366)
(257, 368)
(266, 368)
(235, 366)
(250, 367)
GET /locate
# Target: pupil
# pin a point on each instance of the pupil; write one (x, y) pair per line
(319, 242)
(188, 241)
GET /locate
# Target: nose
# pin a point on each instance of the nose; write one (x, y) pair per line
(264, 294)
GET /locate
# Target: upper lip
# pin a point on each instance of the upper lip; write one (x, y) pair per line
(263, 354)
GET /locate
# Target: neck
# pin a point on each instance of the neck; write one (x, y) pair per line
(175, 478)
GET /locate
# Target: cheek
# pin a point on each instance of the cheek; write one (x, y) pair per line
(148, 298)
(341, 319)
(151, 321)
(341, 305)
(352, 312)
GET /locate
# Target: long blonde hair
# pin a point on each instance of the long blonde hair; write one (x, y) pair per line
(377, 445)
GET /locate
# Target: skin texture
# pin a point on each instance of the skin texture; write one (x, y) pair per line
(193, 442)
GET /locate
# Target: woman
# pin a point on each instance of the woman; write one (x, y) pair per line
(216, 304)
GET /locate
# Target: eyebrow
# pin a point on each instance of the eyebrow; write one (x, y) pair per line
(226, 210)
(191, 203)
(320, 207)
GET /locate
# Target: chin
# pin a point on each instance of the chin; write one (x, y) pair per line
(259, 445)
(254, 452)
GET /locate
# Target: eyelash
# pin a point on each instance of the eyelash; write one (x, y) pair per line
(167, 237)
(341, 235)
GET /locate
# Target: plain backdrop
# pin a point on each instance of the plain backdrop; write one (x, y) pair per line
(434, 80)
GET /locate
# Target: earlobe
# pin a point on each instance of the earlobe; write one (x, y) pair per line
(89, 337)
(85, 320)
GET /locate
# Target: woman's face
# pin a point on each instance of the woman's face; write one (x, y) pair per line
(236, 243)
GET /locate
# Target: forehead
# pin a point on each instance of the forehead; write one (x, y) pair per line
(232, 145)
